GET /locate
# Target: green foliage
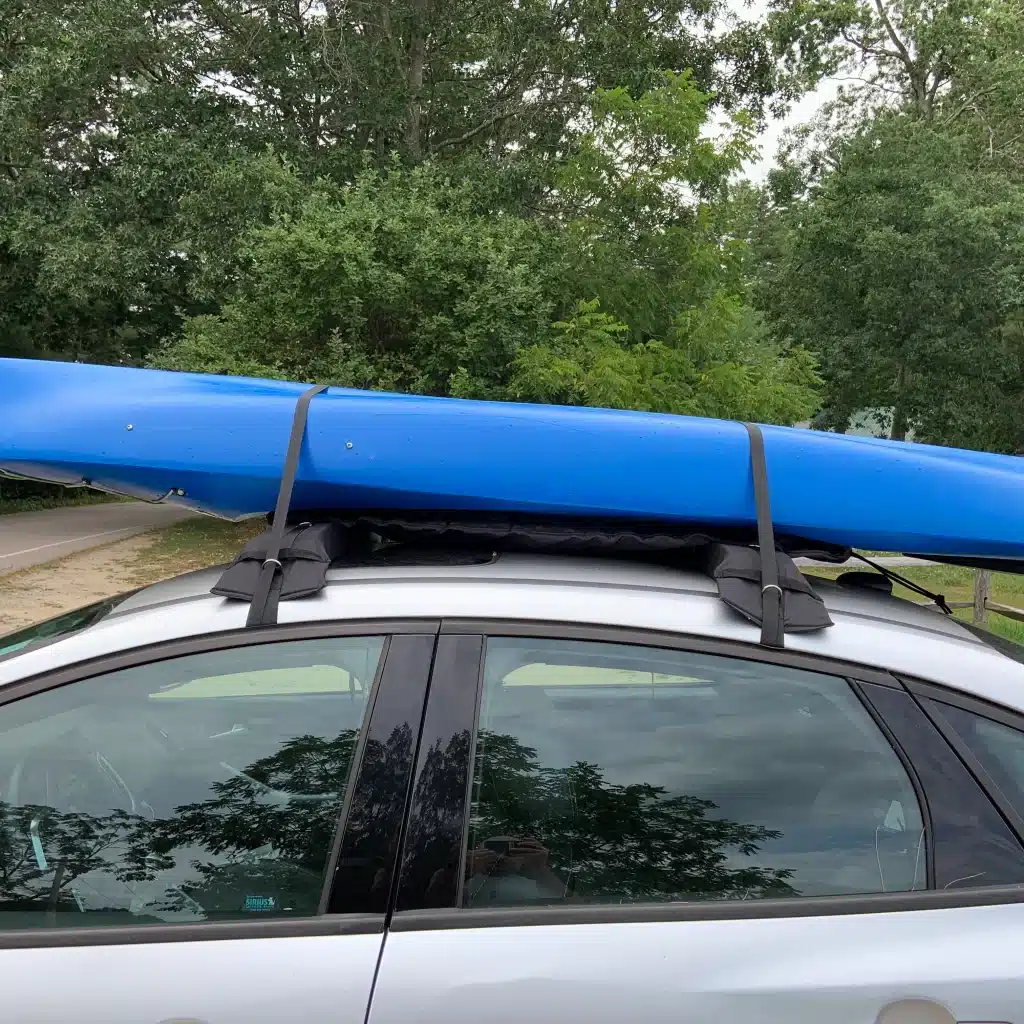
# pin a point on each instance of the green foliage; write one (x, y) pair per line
(410, 279)
(899, 269)
(394, 282)
(714, 364)
(889, 240)
(29, 496)
(400, 194)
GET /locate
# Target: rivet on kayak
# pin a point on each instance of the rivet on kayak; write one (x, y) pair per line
(348, 444)
(180, 493)
(129, 427)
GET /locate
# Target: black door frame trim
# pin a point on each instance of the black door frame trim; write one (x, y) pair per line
(863, 694)
(711, 910)
(965, 701)
(205, 931)
(406, 676)
(697, 644)
(450, 715)
(924, 694)
(205, 643)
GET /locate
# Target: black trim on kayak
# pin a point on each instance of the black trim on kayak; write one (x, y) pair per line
(1011, 565)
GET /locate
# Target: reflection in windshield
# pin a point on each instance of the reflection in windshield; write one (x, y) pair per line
(552, 833)
(59, 627)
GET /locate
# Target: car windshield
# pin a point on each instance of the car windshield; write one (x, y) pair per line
(57, 628)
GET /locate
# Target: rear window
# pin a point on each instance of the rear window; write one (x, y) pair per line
(56, 629)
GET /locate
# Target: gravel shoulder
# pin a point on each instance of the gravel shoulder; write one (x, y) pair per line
(44, 591)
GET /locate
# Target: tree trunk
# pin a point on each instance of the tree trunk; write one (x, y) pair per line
(898, 432)
(417, 62)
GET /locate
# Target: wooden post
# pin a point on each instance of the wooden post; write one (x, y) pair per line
(982, 582)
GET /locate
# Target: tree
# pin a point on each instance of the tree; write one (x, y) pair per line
(388, 193)
(899, 269)
(616, 842)
(410, 280)
(717, 362)
(889, 237)
(890, 54)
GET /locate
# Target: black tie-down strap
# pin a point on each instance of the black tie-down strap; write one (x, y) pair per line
(777, 600)
(268, 588)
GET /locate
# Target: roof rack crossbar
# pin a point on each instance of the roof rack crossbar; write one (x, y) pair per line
(263, 609)
(772, 613)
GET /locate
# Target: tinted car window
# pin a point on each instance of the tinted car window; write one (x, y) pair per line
(999, 748)
(199, 788)
(615, 774)
(971, 844)
(57, 628)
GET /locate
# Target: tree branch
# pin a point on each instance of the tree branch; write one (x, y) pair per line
(939, 79)
(891, 32)
(496, 119)
(473, 132)
(970, 102)
(873, 51)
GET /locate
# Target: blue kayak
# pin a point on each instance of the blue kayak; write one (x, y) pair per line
(217, 444)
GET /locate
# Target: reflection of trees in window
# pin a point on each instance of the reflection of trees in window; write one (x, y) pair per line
(616, 842)
(73, 844)
(363, 880)
(269, 828)
(288, 801)
(434, 842)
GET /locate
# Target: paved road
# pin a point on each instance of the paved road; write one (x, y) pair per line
(32, 538)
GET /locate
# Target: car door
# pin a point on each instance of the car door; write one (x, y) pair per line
(613, 826)
(171, 840)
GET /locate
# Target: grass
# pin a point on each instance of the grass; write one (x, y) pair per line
(61, 497)
(194, 544)
(957, 584)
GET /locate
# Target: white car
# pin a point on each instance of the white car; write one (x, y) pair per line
(522, 789)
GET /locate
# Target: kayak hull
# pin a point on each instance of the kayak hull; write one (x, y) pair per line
(217, 445)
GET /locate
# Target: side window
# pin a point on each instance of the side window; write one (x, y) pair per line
(616, 774)
(201, 788)
(999, 748)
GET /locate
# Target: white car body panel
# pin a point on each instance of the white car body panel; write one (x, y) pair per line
(316, 979)
(795, 970)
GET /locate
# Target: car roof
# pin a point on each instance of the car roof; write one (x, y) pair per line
(871, 627)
